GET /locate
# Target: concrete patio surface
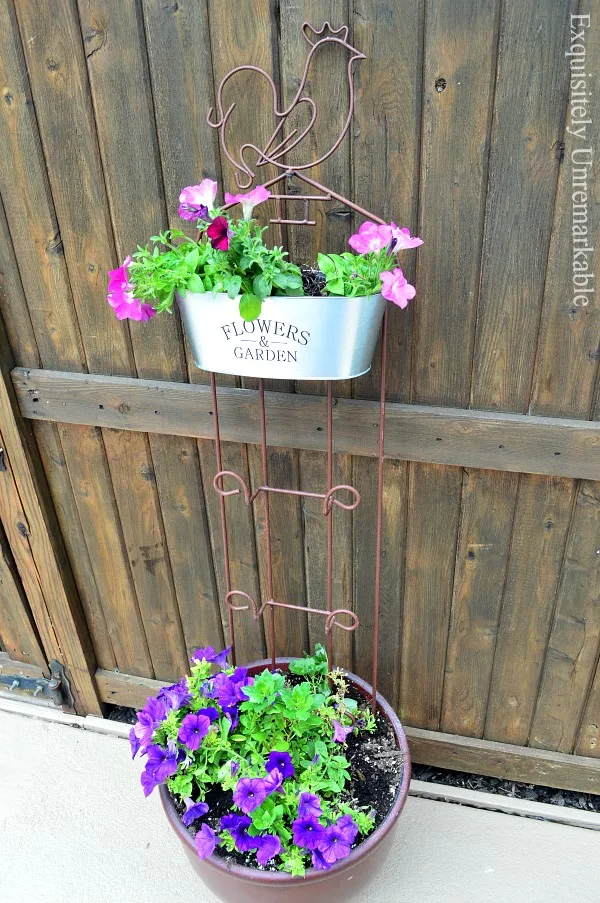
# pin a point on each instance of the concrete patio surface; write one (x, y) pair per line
(75, 828)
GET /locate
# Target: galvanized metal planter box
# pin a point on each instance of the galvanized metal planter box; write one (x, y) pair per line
(294, 337)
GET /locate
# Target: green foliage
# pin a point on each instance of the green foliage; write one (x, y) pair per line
(275, 713)
(172, 263)
(355, 275)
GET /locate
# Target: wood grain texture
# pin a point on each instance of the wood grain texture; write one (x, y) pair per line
(504, 760)
(457, 80)
(540, 528)
(529, 100)
(430, 553)
(488, 500)
(18, 634)
(566, 372)
(573, 645)
(178, 46)
(120, 82)
(458, 74)
(58, 75)
(513, 442)
(35, 540)
(327, 85)
(567, 358)
(386, 139)
(45, 331)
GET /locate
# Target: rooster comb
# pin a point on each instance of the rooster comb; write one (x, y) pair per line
(314, 35)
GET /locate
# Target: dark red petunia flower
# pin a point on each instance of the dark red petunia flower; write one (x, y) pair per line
(219, 233)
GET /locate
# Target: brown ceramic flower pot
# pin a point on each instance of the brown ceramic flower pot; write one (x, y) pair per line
(343, 883)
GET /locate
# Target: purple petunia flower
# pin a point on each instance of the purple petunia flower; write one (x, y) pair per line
(193, 730)
(238, 825)
(273, 782)
(340, 732)
(219, 233)
(206, 841)
(156, 708)
(309, 804)
(193, 811)
(210, 712)
(209, 654)
(334, 844)
(148, 781)
(150, 717)
(235, 767)
(175, 696)
(162, 763)
(282, 761)
(308, 832)
(318, 861)
(348, 827)
(269, 845)
(249, 794)
(134, 743)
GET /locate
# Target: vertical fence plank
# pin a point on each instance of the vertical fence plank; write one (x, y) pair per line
(18, 636)
(526, 129)
(33, 532)
(327, 85)
(566, 374)
(488, 500)
(39, 248)
(179, 52)
(59, 81)
(573, 646)
(120, 86)
(538, 542)
(13, 306)
(385, 168)
(458, 78)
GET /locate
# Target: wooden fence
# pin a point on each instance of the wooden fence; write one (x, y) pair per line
(491, 552)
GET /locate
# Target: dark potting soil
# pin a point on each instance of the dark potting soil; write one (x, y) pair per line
(589, 802)
(313, 281)
(376, 769)
(575, 799)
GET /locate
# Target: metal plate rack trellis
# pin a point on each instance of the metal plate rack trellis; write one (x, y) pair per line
(238, 600)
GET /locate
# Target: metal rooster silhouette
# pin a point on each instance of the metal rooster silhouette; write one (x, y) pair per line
(277, 146)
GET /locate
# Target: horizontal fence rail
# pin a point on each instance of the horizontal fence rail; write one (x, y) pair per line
(520, 443)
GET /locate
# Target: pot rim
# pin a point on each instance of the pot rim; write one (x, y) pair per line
(180, 296)
(361, 851)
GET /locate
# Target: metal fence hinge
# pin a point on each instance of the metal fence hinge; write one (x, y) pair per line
(57, 687)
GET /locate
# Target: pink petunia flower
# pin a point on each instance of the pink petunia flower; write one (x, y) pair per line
(250, 200)
(121, 298)
(370, 237)
(396, 288)
(403, 239)
(196, 201)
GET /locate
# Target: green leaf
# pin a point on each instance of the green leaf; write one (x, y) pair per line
(250, 307)
(194, 283)
(262, 286)
(191, 258)
(232, 286)
(326, 265)
(335, 286)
